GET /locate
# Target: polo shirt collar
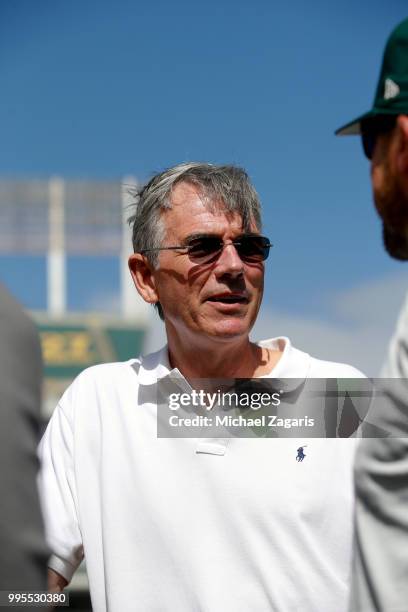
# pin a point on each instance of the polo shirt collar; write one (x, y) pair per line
(155, 366)
(293, 364)
(292, 368)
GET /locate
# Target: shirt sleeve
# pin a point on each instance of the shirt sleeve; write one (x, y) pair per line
(58, 494)
(380, 574)
(396, 363)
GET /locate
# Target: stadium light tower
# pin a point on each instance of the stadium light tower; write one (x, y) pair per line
(71, 218)
(56, 260)
(131, 302)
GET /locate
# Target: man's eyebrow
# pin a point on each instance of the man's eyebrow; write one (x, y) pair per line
(198, 236)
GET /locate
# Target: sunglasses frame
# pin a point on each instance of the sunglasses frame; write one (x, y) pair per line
(215, 253)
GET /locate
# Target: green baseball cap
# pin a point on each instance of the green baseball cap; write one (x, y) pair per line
(391, 96)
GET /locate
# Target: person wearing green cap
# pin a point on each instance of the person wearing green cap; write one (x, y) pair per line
(380, 573)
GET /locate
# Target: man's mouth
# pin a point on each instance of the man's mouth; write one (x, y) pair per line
(231, 298)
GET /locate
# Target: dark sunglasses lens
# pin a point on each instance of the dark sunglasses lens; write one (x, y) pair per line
(250, 249)
(368, 139)
(253, 248)
(371, 130)
(204, 250)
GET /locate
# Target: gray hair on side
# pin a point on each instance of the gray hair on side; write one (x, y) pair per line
(228, 185)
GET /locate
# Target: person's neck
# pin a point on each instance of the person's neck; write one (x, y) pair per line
(233, 359)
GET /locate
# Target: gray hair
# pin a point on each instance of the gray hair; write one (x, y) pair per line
(229, 185)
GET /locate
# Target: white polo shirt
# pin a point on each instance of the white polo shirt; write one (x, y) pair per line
(194, 525)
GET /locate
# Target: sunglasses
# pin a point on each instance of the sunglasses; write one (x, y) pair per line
(372, 128)
(206, 249)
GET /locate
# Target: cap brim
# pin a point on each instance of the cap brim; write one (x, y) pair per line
(353, 127)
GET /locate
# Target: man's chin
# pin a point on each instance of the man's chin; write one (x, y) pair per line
(229, 328)
(395, 243)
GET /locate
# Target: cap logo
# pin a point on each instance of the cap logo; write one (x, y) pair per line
(391, 89)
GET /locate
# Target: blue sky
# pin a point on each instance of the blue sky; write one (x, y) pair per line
(98, 89)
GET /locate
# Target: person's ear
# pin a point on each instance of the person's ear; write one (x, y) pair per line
(143, 276)
(402, 145)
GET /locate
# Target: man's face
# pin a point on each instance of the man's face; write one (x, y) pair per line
(213, 301)
(390, 197)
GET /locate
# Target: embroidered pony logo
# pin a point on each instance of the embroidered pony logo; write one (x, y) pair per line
(300, 454)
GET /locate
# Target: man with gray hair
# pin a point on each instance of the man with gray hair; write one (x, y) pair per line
(197, 524)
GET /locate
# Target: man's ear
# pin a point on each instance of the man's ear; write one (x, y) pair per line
(402, 145)
(143, 277)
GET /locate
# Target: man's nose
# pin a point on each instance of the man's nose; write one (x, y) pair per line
(229, 262)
